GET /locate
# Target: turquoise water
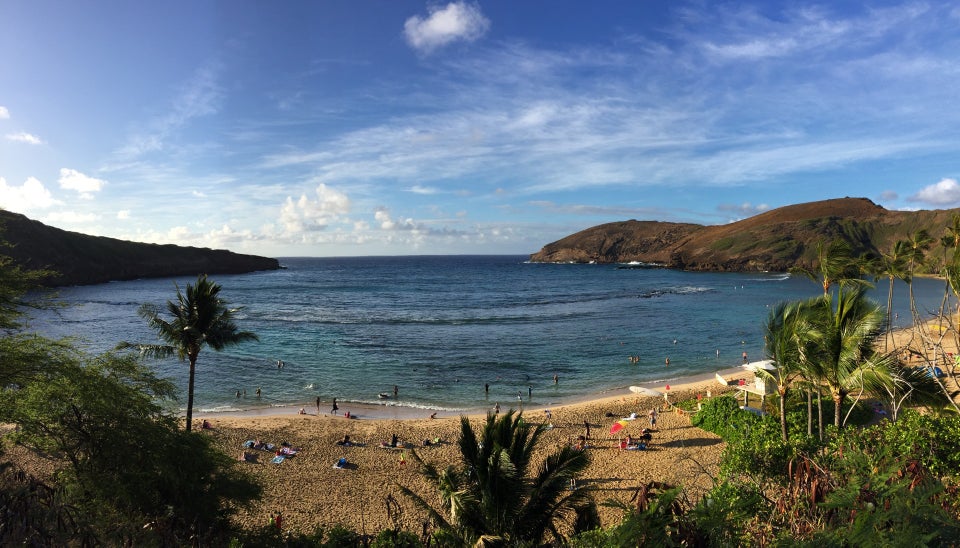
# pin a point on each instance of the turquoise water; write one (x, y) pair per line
(441, 327)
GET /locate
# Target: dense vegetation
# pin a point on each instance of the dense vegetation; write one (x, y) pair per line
(867, 469)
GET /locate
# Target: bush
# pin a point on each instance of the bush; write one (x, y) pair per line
(389, 538)
(754, 444)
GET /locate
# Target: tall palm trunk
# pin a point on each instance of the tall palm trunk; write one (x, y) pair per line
(782, 390)
(838, 395)
(193, 371)
(809, 412)
(889, 331)
(820, 413)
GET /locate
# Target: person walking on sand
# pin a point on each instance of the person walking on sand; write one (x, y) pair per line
(333, 411)
(653, 417)
(586, 425)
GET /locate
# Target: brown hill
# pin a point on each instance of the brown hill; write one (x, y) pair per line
(80, 259)
(775, 240)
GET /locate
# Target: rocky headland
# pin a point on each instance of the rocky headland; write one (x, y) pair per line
(80, 259)
(776, 240)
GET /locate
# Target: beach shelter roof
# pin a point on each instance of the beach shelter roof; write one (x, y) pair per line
(753, 367)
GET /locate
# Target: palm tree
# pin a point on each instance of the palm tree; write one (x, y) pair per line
(844, 336)
(785, 337)
(493, 498)
(199, 318)
(835, 265)
(893, 265)
(917, 246)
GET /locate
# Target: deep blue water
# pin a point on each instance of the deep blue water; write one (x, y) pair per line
(440, 327)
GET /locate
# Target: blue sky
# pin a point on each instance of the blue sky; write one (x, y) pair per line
(396, 127)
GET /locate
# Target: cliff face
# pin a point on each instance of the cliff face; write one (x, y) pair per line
(79, 259)
(775, 240)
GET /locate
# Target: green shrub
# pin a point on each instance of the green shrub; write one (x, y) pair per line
(389, 538)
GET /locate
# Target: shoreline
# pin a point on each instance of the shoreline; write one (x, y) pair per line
(389, 411)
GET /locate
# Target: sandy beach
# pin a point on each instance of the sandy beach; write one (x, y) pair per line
(311, 492)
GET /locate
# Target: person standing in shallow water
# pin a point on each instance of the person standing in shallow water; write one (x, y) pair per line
(318, 405)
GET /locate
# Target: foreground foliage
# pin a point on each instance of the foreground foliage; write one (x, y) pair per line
(496, 496)
(129, 472)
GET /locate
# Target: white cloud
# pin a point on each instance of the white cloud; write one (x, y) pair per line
(4, 113)
(456, 21)
(382, 216)
(944, 193)
(71, 217)
(30, 196)
(72, 179)
(24, 137)
(745, 209)
(426, 190)
(307, 215)
(889, 195)
(123, 214)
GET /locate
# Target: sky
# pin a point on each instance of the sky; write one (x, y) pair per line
(395, 127)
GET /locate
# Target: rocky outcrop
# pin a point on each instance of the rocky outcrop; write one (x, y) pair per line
(775, 240)
(80, 259)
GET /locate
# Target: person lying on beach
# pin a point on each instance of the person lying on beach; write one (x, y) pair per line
(247, 457)
(345, 441)
(581, 443)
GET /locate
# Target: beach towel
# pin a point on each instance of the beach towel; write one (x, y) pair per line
(278, 459)
(288, 451)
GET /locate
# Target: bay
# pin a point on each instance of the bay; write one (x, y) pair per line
(440, 328)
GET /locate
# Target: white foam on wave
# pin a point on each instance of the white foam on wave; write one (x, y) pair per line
(219, 409)
(407, 404)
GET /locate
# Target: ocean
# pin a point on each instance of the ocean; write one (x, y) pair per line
(441, 328)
